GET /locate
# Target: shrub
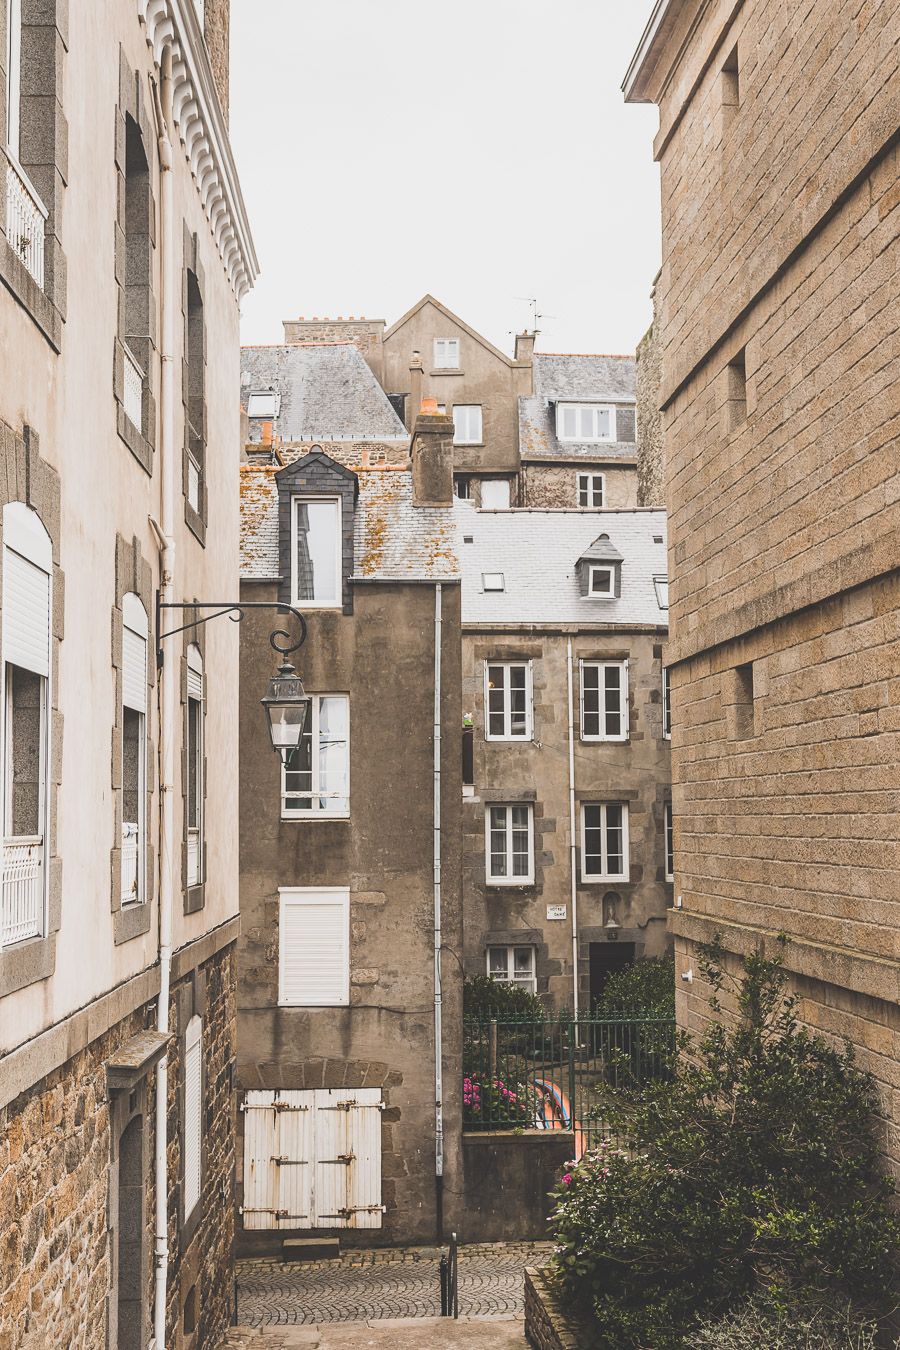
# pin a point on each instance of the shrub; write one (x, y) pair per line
(803, 1324)
(484, 998)
(644, 988)
(757, 1165)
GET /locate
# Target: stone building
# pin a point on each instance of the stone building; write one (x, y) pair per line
(778, 309)
(577, 437)
(350, 853)
(650, 467)
(121, 280)
(566, 822)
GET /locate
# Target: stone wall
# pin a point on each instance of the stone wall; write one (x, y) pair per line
(556, 485)
(365, 334)
(217, 31)
(650, 466)
(352, 454)
(508, 1180)
(546, 1327)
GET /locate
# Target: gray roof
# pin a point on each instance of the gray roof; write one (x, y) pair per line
(327, 392)
(537, 552)
(393, 540)
(574, 378)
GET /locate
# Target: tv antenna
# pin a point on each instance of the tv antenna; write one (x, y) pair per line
(536, 315)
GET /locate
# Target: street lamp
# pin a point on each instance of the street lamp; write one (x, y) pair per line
(287, 707)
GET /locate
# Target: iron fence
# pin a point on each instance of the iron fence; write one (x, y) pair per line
(558, 1073)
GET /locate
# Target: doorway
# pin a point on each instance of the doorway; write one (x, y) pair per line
(605, 959)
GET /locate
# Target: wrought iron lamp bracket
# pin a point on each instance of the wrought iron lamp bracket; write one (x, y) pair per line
(236, 612)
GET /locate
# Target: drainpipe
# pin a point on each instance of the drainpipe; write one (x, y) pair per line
(573, 857)
(438, 1009)
(163, 107)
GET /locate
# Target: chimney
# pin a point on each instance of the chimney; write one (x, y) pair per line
(525, 346)
(414, 402)
(432, 457)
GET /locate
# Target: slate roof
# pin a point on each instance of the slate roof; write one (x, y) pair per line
(327, 392)
(537, 552)
(574, 378)
(393, 540)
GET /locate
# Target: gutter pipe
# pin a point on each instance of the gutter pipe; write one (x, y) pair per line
(573, 857)
(438, 1003)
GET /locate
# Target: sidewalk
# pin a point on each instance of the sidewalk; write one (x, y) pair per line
(420, 1333)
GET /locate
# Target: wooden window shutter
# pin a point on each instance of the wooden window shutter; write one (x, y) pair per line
(134, 654)
(314, 947)
(193, 1102)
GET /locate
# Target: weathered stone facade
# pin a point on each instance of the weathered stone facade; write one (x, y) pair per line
(650, 468)
(778, 305)
(555, 486)
(365, 334)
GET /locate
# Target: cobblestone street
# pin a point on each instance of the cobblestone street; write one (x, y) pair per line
(369, 1286)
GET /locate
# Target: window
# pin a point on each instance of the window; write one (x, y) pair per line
(495, 494)
(512, 965)
(670, 843)
(314, 947)
(493, 581)
(509, 833)
(731, 86)
(316, 779)
(507, 701)
(134, 750)
(661, 586)
(467, 424)
(742, 723)
(14, 75)
(585, 422)
(462, 487)
(602, 581)
(446, 353)
(194, 395)
(590, 490)
(604, 841)
(27, 566)
(667, 704)
(138, 264)
(263, 403)
(194, 755)
(316, 552)
(193, 1114)
(604, 700)
(736, 390)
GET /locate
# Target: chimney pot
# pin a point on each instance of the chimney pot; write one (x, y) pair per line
(267, 433)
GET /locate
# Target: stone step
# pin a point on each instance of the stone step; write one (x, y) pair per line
(311, 1249)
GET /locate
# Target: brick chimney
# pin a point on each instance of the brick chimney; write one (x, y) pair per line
(432, 457)
(525, 346)
(414, 401)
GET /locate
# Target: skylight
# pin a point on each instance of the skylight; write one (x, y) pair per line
(661, 585)
(493, 581)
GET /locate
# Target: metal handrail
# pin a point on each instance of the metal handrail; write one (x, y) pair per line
(449, 1273)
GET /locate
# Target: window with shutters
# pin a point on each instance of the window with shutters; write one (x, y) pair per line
(26, 645)
(508, 700)
(194, 400)
(604, 841)
(590, 490)
(509, 844)
(314, 947)
(192, 1141)
(134, 750)
(316, 779)
(194, 766)
(604, 700)
(446, 353)
(467, 429)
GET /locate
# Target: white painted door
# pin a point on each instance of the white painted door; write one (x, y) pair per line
(312, 1159)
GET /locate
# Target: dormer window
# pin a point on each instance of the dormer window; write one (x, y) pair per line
(263, 403)
(585, 422)
(316, 552)
(602, 581)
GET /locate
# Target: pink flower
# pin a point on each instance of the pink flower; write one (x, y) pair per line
(567, 1179)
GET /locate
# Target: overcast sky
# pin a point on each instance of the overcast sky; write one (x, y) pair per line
(481, 151)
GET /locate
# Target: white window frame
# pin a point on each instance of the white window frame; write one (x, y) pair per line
(446, 354)
(594, 409)
(300, 895)
(314, 812)
(24, 534)
(193, 1143)
(661, 586)
(586, 485)
(602, 667)
(506, 667)
(605, 874)
(337, 602)
(195, 694)
(669, 841)
(459, 438)
(134, 620)
(666, 705)
(607, 569)
(492, 582)
(264, 393)
(510, 978)
(509, 879)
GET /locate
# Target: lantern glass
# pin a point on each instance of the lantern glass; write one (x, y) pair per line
(287, 708)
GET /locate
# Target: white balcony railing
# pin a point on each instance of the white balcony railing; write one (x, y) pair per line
(193, 857)
(22, 906)
(133, 399)
(131, 891)
(25, 221)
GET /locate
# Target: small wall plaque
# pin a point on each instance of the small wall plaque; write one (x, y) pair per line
(556, 911)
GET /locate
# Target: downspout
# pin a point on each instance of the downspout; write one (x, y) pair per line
(162, 102)
(438, 1008)
(573, 856)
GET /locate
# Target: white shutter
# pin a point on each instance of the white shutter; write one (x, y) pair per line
(26, 613)
(364, 1173)
(314, 947)
(260, 1171)
(193, 1100)
(194, 672)
(293, 1161)
(134, 653)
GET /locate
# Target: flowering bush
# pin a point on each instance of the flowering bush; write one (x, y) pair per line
(756, 1168)
(494, 1104)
